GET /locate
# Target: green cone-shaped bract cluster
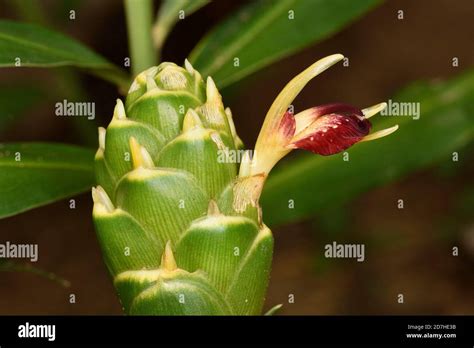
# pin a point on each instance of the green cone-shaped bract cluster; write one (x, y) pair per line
(179, 232)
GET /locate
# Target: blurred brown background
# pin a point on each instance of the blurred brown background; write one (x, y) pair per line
(413, 254)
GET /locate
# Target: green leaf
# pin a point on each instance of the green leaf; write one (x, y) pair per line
(262, 32)
(34, 174)
(169, 14)
(314, 183)
(15, 100)
(30, 45)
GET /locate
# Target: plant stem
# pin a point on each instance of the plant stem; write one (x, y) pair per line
(139, 24)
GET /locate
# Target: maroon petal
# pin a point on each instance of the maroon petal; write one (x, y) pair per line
(336, 108)
(287, 125)
(334, 132)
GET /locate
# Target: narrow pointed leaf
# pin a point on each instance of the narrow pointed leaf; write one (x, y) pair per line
(34, 174)
(30, 45)
(265, 31)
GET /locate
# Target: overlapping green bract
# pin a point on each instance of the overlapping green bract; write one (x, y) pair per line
(165, 192)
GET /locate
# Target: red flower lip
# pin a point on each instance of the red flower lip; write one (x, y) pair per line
(287, 126)
(332, 128)
(324, 130)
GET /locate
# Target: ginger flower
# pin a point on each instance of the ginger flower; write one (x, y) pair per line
(324, 130)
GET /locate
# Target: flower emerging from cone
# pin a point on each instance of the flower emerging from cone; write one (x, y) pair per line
(324, 130)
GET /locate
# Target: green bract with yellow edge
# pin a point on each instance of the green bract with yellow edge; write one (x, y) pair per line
(171, 248)
(178, 221)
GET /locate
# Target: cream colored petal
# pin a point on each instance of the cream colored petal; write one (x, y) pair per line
(291, 90)
(270, 145)
(380, 134)
(303, 119)
(373, 110)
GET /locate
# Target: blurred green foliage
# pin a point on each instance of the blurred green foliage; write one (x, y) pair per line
(263, 32)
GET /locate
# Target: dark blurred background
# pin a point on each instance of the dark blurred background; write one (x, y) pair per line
(413, 253)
